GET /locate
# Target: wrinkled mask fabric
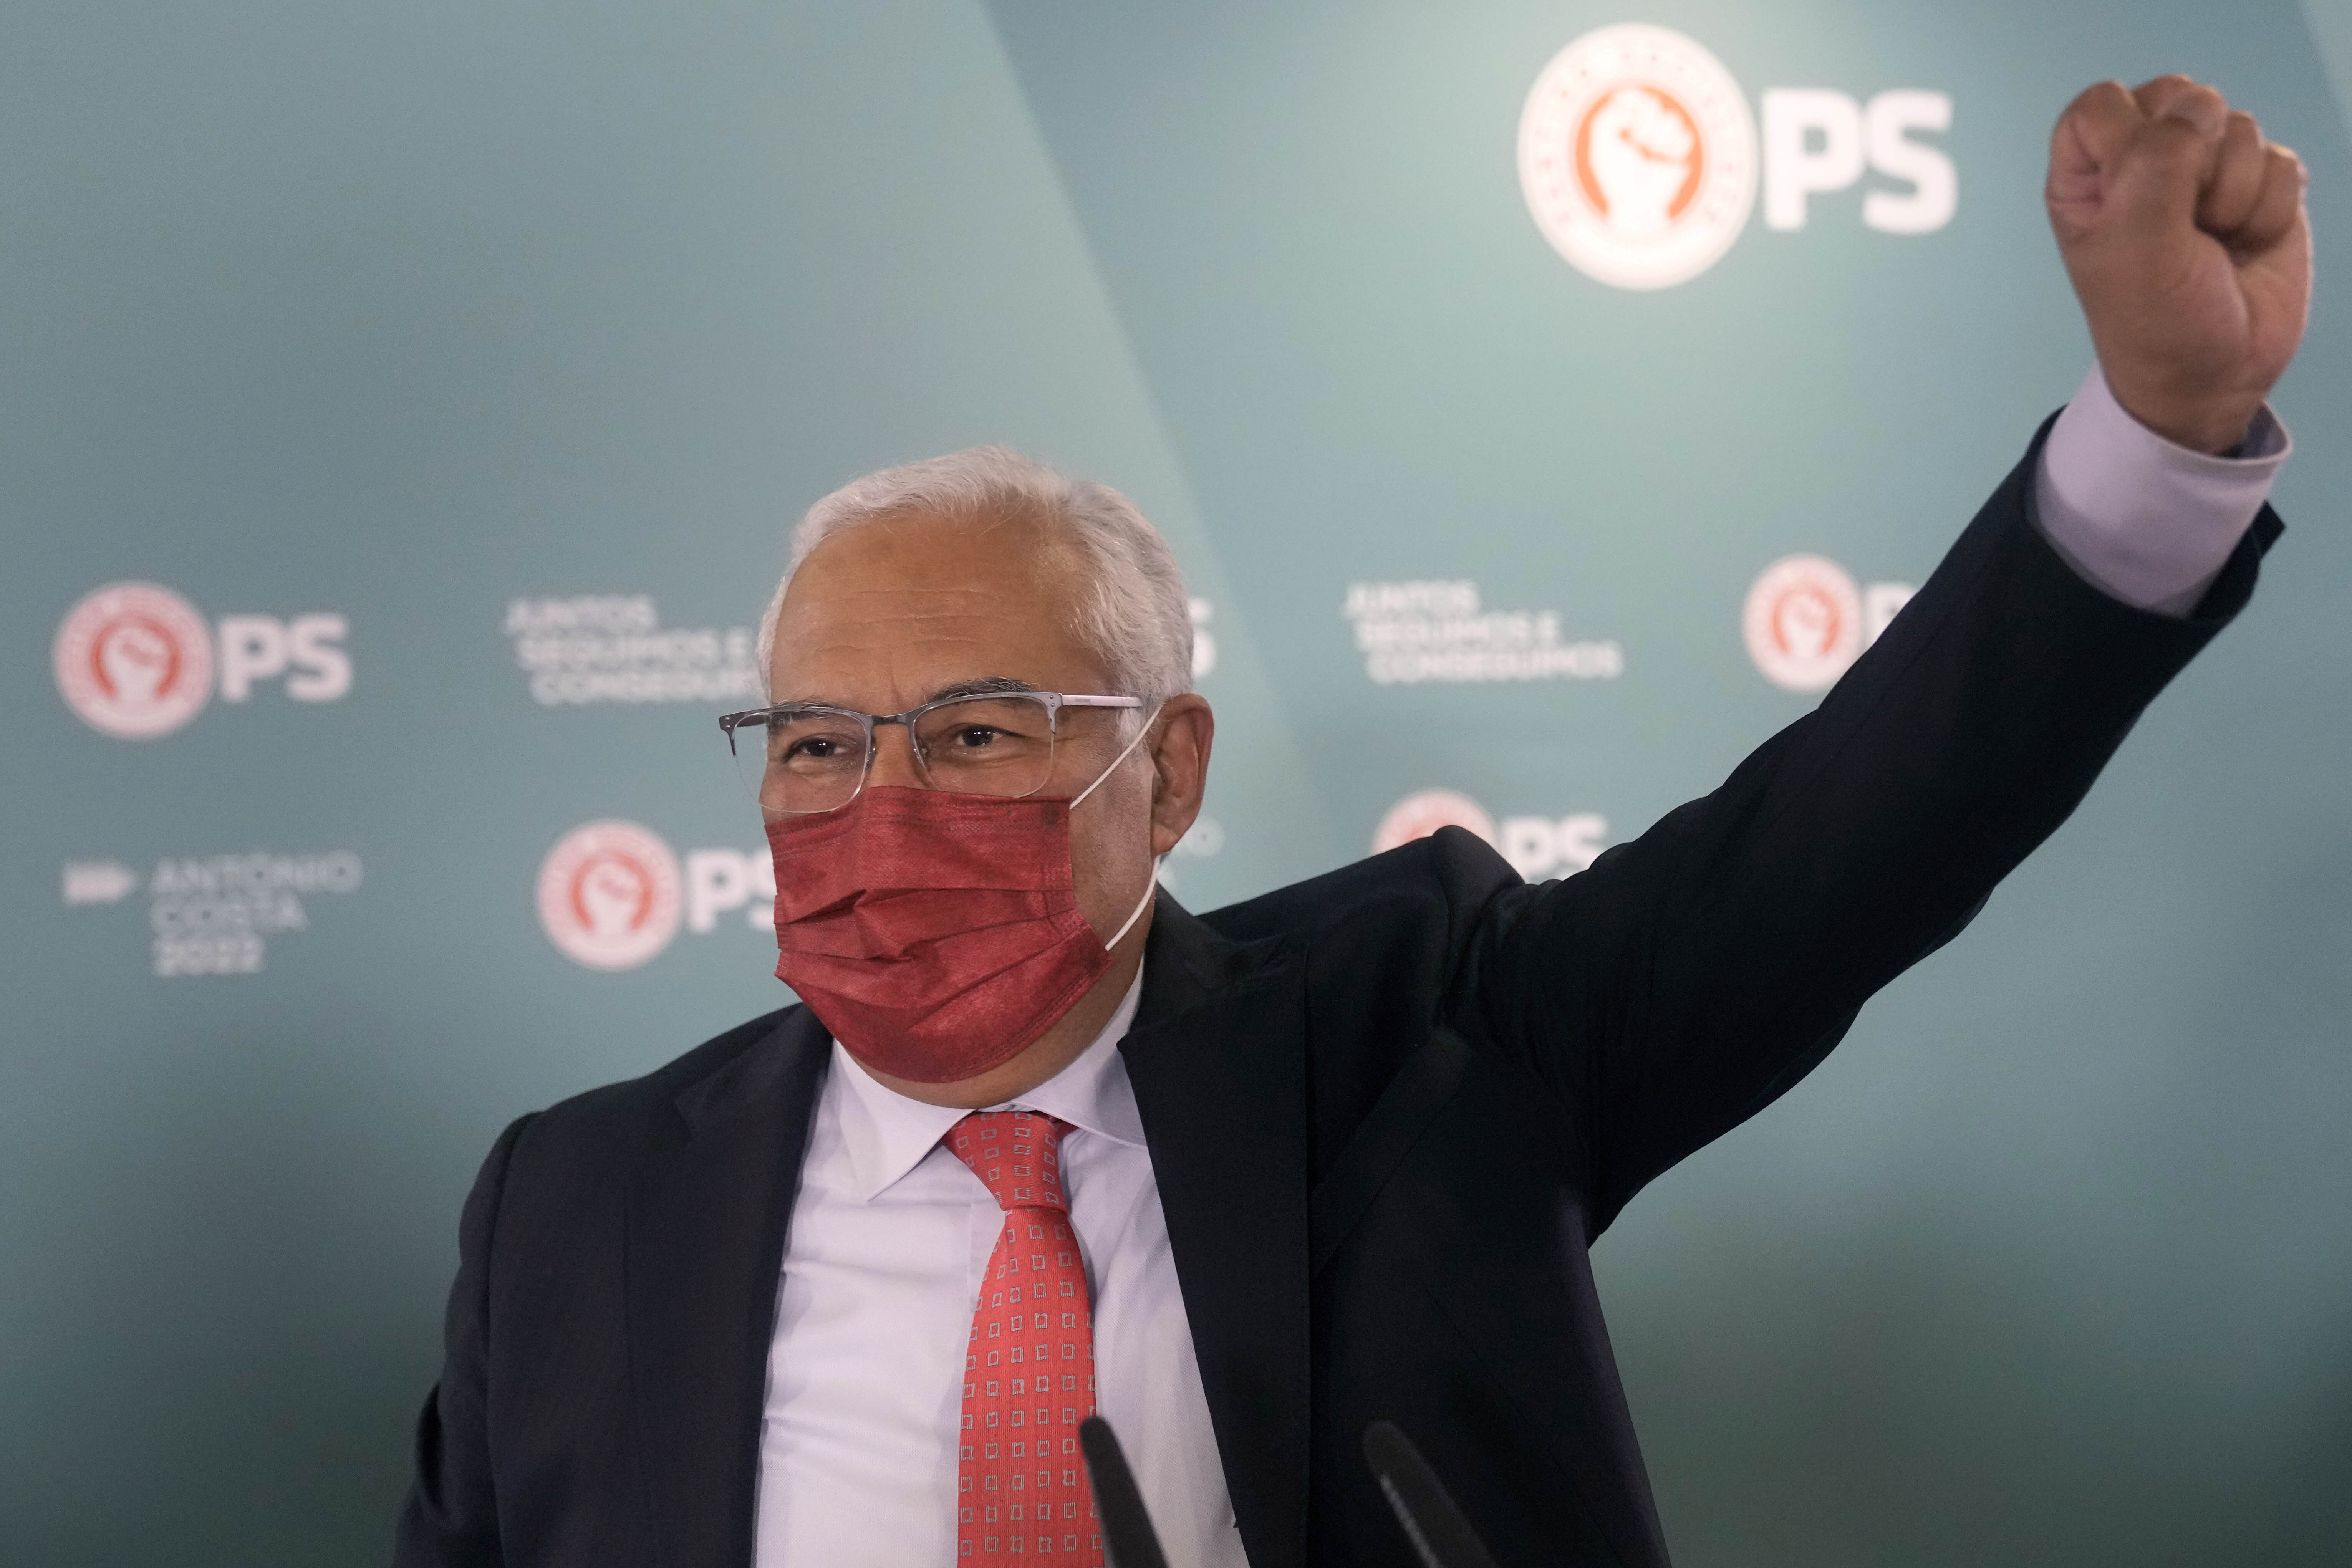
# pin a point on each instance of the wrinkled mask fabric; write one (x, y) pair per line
(936, 935)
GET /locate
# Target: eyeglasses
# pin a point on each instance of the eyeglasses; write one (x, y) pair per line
(805, 757)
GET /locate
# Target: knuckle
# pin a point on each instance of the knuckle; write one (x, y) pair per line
(2284, 177)
(2172, 141)
(2178, 97)
(2102, 100)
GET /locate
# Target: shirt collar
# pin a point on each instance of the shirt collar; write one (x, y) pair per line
(888, 1135)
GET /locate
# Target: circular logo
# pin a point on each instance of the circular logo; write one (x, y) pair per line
(1637, 156)
(1419, 816)
(1803, 623)
(608, 895)
(134, 660)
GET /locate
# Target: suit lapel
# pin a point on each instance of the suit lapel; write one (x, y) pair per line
(705, 1236)
(1217, 1060)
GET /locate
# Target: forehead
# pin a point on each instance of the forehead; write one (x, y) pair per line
(887, 614)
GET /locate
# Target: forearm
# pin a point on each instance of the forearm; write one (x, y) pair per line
(1692, 976)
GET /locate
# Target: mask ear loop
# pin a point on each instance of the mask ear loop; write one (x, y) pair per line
(1142, 730)
(1151, 884)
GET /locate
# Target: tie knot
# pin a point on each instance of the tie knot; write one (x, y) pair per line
(1018, 1153)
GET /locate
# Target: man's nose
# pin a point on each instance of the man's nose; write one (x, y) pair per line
(894, 758)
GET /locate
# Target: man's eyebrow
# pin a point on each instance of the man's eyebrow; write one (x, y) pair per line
(986, 686)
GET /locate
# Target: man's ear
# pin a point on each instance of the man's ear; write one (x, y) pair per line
(1179, 762)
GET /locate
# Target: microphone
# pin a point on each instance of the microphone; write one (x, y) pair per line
(1128, 1538)
(1434, 1526)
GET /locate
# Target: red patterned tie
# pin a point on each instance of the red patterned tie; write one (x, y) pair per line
(1030, 1378)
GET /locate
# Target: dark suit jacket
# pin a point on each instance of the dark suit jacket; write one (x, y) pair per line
(1388, 1110)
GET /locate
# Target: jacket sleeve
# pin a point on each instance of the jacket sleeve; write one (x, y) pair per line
(451, 1516)
(1690, 978)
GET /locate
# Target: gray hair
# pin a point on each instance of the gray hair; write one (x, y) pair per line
(1134, 613)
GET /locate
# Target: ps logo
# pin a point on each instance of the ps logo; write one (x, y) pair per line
(608, 894)
(135, 660)
(611, 896)
(1640, 163)
(1806, 620)
(1637, 157)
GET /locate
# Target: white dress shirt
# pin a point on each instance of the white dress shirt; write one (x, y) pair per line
(891, 1233)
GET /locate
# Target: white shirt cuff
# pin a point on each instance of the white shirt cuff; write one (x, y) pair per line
(2144, 519)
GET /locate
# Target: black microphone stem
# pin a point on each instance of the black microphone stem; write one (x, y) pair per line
(1128, 1540)
(1438, 1532)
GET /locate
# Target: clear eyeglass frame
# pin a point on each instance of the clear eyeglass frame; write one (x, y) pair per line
(1015, 763)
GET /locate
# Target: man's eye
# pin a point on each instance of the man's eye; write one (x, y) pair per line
(974, 737)
(816, 750)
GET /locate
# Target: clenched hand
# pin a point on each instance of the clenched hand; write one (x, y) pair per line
(2184, 232)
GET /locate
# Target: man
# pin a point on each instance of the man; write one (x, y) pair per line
(834, 1287)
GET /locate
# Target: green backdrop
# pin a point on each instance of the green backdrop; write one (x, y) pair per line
(516, 336)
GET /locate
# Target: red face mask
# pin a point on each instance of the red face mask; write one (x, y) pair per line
(936, 935)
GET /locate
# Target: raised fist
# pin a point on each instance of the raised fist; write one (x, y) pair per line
(1642, 149)
(2185, 234)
